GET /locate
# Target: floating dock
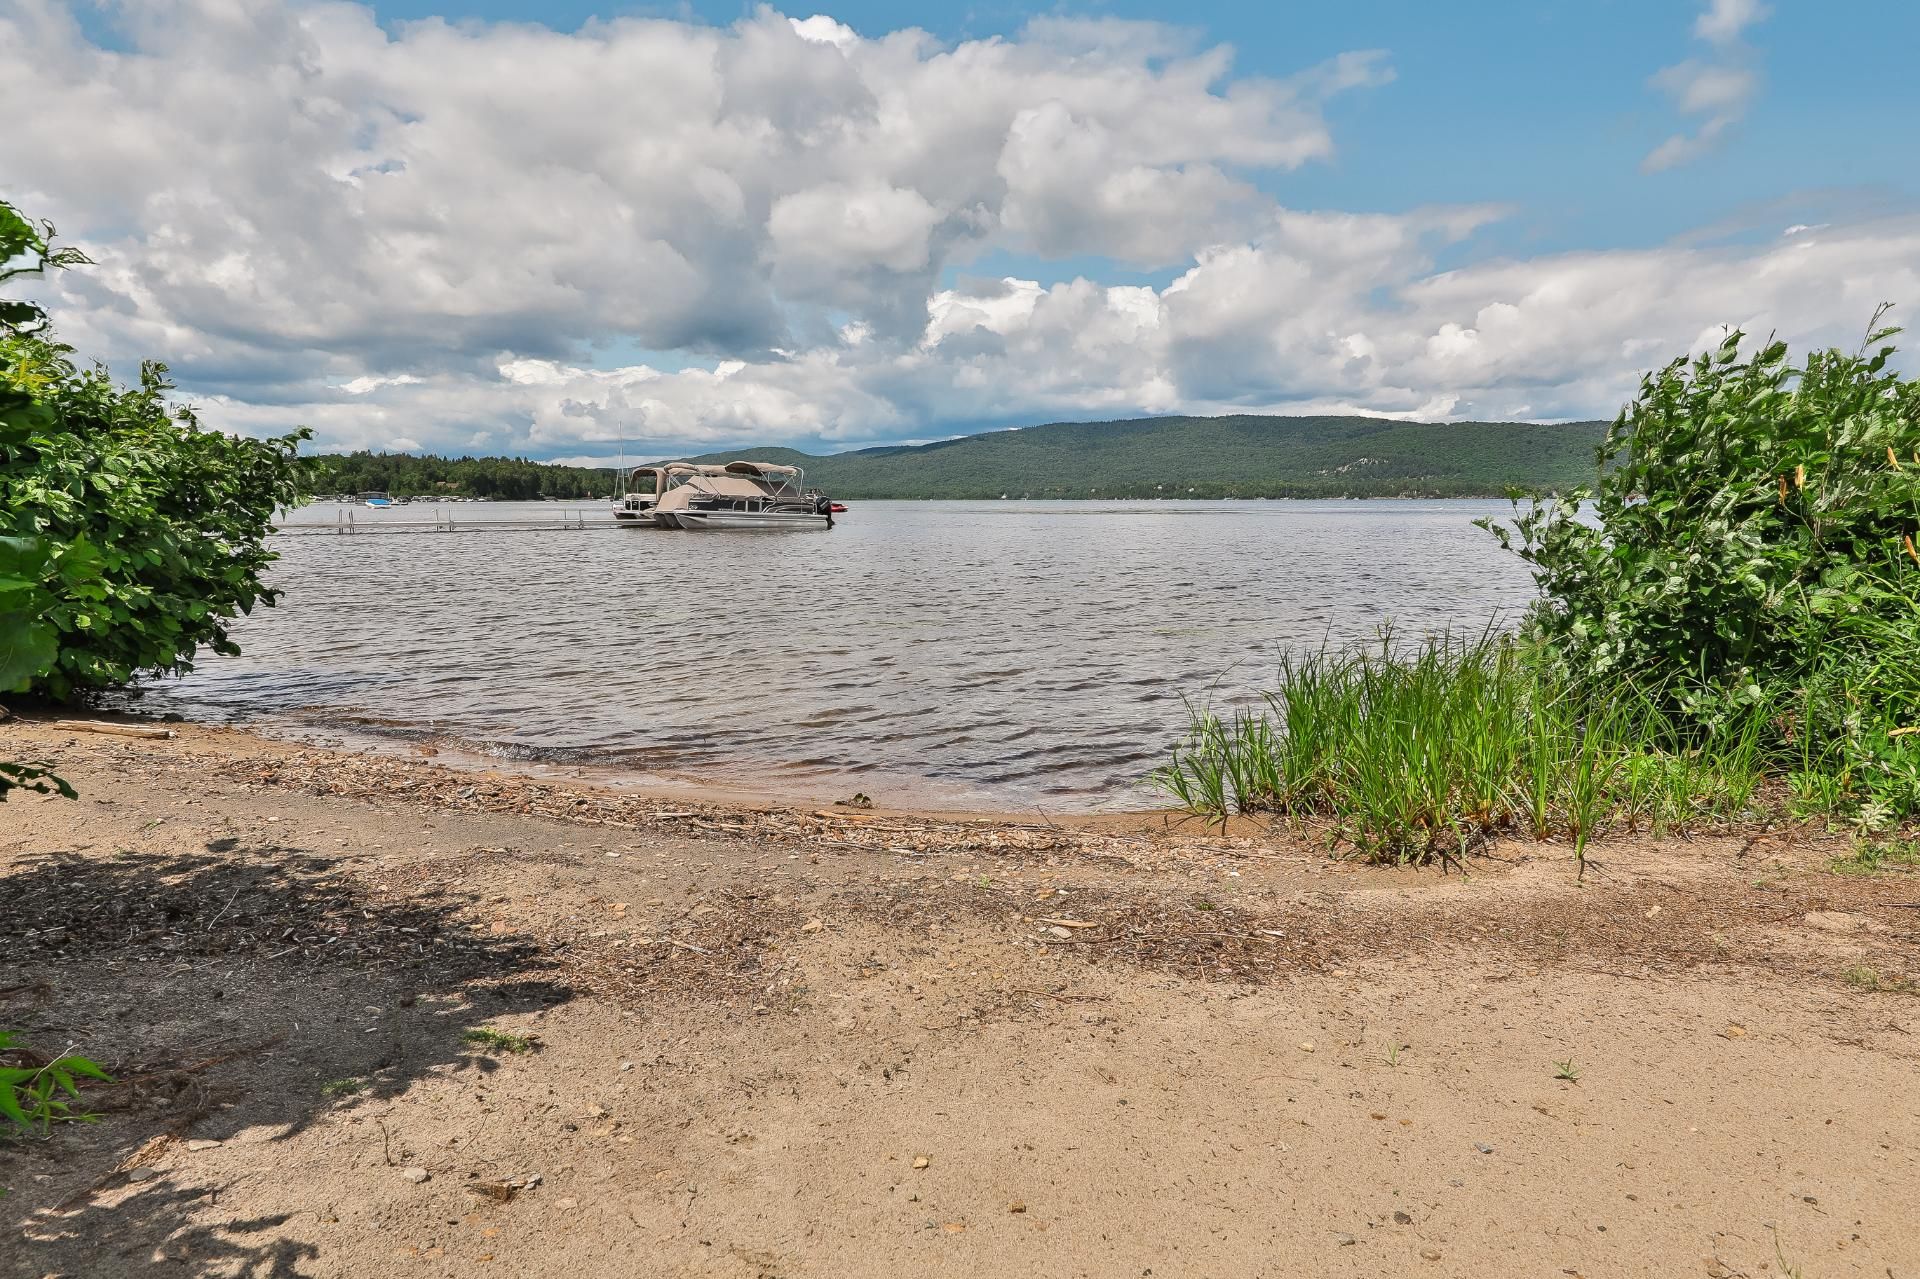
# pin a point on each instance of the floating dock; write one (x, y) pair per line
(352, 523)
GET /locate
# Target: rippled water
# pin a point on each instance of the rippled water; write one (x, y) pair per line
(970, 654)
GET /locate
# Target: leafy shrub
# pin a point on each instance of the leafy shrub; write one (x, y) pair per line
(129, 537)
(1752, 544)
(29, 643)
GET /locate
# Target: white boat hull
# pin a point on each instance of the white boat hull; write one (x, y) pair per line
(757, 521)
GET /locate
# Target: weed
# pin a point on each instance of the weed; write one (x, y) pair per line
(1787, 1268)
(1566, 1070)
(1393, 1054)
(1867, 979)
(335, 1088)
(31, 1093)
(1872, 857)
(490, 1040)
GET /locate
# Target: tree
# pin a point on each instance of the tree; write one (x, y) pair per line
(28, 640)
(131, 536)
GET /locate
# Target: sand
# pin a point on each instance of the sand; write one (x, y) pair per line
(763, 1042)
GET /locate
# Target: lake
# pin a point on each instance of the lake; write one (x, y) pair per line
(986, 655)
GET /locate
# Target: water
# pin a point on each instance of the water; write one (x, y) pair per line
(992, 655)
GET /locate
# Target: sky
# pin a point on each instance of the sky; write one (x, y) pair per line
(581, 230)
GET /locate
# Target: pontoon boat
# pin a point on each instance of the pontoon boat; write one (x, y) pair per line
(739, 495)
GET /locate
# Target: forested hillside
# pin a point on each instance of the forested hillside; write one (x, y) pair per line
(1245, 456)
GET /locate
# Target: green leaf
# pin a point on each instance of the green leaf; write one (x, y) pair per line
(28, 647)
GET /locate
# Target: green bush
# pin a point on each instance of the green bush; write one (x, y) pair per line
(29, 643)
(1751, 543)
(1736, 603)
(129, 537)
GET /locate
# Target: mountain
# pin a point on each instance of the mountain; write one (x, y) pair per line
(1244, 456)
(1241, 456)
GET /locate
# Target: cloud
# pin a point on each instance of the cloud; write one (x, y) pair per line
(1325, 313)
(291, 177)
(501, 238)
(1717, 90)
(1724, 20)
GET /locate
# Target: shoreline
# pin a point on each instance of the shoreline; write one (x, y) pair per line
(634, 793)
(374, 1013)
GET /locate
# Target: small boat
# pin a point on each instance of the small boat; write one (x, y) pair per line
(764, 496)
(378, 501)
(633, 507)
(837, 508)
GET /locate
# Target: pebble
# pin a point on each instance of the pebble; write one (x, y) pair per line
(415, 1175)
(141, 1174)
(922, 1161)
(201, 1143)
(1483, 1147)
(1431, 1254)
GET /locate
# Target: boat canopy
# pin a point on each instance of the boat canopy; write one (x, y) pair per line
(767, 470)
(726, 486)
(762, 470)
(684, 468)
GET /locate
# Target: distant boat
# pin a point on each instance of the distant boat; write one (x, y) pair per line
(378, 501)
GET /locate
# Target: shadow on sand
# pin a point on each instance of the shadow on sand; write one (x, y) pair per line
(236, 995)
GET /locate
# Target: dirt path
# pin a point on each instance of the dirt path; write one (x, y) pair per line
(777, 1043)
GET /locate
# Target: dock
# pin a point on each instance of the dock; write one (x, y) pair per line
(351, 523)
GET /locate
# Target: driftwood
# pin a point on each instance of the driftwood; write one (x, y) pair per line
(117, 730)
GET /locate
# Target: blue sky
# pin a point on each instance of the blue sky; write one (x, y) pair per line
(1502, 210)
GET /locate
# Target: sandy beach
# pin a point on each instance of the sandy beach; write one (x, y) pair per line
(791, 1041)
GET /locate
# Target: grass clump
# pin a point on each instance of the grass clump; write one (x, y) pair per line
(1411, 753)
(334, 1089)
(499, 1041)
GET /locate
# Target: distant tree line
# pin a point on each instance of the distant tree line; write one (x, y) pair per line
(501, 478)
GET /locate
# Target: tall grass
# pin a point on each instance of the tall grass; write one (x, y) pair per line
(1410, 753)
